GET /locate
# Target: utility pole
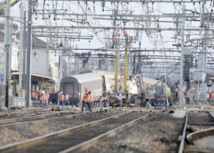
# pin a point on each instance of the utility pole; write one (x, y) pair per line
(204, 49)
(60, 67)
(75, 56)
(7, 52)
(182, 57)
(21, 51)
(47, 57)
(24, 59)
(125, 73)
(116, 71)
(29, 47)
(69, 64)
(10, 53)
(119, 54)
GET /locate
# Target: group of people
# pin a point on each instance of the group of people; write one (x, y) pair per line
(126, 35)
(66, 99)
(89, 101)
(44, 98)
(192, 95)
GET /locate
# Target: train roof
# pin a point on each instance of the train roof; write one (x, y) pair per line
(153, 81)
(150, 80)
(81, 78)
(103, 72)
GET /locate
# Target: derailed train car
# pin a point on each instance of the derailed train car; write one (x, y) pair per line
(102, 83)
(156, 88)
(148, 90)
(75, 85)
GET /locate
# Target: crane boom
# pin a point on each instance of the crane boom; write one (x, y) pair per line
(3, 5)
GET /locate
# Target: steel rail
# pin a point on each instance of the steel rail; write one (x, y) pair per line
(35, 120)
(211, 114)
(45, 138)
(199, 134)
(183, 136)
(12, 112)
(27, 118)
(87, 144)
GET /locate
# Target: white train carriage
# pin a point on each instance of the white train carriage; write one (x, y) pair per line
(75, 85)
(108, 81)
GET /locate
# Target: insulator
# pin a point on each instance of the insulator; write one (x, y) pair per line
(103, 5)
(124, 22)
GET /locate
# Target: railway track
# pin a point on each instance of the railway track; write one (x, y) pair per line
(76, 138)
(31, 118)
(21, 113)
(41, 119)
(197, 126)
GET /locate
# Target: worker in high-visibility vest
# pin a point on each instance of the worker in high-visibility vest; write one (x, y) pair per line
(126, 37)
(41, 99)
(113, 40)
(33, 95)
(47, 97)
(62, 99)
(188, 94)
(97, 101)
(177, 96)
(39, 93)
(86, 100)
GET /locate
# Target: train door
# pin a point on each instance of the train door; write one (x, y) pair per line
(68, 88)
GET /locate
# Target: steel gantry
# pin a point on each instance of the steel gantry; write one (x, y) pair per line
(88, 21)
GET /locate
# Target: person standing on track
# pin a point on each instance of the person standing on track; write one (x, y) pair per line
(41, 99)
(98, 101)
(188, 96)
(47, 96)
(62, 99)
(67, 99)
(86, 100)
(120, 100)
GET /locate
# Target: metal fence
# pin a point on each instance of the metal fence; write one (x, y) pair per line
(17, 102)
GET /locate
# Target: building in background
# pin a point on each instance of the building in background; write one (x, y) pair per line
(43, 64)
